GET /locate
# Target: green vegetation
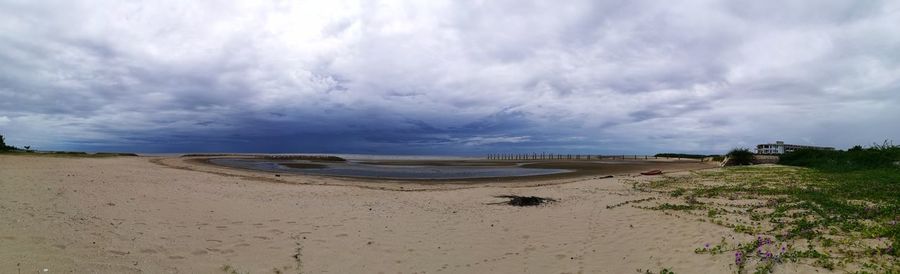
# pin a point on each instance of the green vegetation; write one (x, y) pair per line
(4, 147)
(836, 210)
(740, 156)
(885, 155)
(228, 269)
(648, 271)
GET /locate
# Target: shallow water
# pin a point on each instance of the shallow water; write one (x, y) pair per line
(355, 169)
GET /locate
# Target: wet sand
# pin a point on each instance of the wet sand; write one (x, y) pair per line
(578, 168)
(177, 215)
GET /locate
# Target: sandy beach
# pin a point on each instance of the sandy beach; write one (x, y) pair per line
(172, 215)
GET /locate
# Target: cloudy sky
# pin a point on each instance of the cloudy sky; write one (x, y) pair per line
(447, 77)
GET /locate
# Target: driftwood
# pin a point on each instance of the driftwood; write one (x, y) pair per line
(515, 200)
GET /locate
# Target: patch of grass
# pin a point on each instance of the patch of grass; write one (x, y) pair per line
(228, 269)
(877, 156)
(668, 206)
(851, 215)
(630, 202)
(661, 271)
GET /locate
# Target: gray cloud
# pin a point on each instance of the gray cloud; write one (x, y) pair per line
(447, 76)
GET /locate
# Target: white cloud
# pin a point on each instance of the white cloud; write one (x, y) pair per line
(633, 76)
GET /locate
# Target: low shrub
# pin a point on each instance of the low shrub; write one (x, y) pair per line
(740, 156)
(877, 156)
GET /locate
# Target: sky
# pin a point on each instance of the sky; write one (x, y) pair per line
(447, 77)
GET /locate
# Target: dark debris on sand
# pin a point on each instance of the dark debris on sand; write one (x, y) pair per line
(515, 200)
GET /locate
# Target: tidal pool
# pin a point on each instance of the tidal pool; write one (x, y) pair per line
(392, 171)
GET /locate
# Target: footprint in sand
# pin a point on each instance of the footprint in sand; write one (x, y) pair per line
(148, 251)
(176, 257)
(242, 245)
(59, 246)
(120, 253)
(199, 252)
(341, 235)
(261, 237)
(222, 227)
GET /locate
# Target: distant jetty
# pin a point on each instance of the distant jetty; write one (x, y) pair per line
(556, 156)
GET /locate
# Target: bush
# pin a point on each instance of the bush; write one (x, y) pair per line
(856, 158)
(740, 156)
(3, 146)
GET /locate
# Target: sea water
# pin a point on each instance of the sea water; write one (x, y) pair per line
(355, 168)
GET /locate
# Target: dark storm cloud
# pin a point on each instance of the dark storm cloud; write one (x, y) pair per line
(447, 76)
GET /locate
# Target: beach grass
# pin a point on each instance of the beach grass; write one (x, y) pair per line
(830, 219)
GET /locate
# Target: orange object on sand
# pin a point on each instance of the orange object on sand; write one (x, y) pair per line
(652, 172)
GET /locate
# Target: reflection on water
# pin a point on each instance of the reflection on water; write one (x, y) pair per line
(354, 169)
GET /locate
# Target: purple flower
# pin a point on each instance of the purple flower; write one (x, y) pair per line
(707, 246)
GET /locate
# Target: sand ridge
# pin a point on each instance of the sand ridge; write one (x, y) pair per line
(586, 171)
(131, 215)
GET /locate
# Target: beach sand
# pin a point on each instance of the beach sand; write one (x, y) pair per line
(170, 215)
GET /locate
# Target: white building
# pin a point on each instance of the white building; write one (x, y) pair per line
(780, 147)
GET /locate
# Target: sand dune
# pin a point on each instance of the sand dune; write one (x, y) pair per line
(139, 214)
